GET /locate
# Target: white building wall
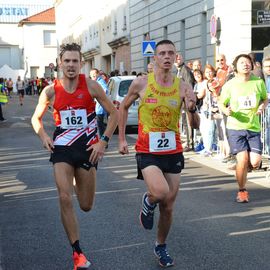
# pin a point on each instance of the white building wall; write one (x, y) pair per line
(35, 53)
(235, 19)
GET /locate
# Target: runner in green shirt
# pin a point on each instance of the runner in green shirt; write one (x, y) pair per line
(243, 99)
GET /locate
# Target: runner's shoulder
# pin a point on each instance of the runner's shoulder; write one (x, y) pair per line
(49, 91)
(139, 83)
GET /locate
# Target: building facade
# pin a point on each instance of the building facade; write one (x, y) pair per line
(200, 29)
(39, 44)
(103, 35)
(13, 61)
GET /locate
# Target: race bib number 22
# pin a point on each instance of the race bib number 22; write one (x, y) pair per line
(162, 141)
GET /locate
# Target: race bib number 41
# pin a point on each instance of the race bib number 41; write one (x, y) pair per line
(73, 119)
(162, 141)
(247, 102)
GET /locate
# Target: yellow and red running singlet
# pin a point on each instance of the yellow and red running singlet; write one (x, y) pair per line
(159, 114)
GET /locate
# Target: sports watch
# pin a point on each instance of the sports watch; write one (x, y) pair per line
(105, 138)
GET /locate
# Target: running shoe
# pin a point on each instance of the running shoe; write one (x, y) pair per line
(80, 261)
(163, 256)
(199, 147)
(242, 197)
(147, 214)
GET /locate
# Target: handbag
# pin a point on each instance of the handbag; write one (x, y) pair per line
(193, 119)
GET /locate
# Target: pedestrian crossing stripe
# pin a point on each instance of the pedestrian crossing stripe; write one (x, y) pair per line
(148, 47)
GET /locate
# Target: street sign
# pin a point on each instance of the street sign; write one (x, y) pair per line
(213, 26)
(263, 17)
(51, 65)
(148, 48)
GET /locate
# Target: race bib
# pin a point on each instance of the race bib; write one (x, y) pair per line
(162, 141)
(73, 119)
(247, 102)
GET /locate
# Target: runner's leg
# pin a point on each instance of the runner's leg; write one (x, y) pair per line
(64, 181)
(166, 207)
(241, 168)
(85, 187)
(156, 183)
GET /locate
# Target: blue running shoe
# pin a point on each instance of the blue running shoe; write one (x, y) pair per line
(164, 258)
(199, 147)
(147, 214)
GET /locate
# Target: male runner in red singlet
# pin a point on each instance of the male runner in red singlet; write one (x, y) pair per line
(159, 149)
(75, 148)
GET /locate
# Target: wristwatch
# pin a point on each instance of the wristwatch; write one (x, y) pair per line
(105, 138)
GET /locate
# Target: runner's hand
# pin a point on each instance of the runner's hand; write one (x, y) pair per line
(123, 147)
(98, 150)
(48, 143)
(259, 111)
(228, 111)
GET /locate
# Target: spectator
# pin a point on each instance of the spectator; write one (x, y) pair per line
(9, 85)
(150, 67)
(104, 76)
(222, 69)
(20, 89)
(196, 65)
(257, 69)
(100, 111)
(3, 99)
(266, 70)
(200, 91)
(186, 75)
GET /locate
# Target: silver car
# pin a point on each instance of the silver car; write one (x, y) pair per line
(118, 88)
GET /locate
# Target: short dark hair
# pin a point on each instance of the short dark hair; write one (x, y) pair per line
(235, 61)
(70, 47)
(164, 41)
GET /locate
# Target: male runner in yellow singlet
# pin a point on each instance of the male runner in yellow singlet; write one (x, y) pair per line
(159, 149)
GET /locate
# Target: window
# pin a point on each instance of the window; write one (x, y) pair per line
(115, 28)
(125, 23)
(165, 32)
(49, 37)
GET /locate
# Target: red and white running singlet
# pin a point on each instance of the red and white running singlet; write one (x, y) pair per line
(74, 115)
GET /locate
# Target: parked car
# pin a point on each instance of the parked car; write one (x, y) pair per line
(118, 88)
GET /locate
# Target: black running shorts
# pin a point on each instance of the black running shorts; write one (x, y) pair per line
(76, 157)
(171, 163)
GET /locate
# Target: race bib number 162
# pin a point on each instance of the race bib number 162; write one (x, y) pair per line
(73, 119)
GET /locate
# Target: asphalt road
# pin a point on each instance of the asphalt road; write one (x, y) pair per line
(210, 231)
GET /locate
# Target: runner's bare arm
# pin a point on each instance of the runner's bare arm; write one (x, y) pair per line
(262, 106)
(134, 93)
(44, 100)
(97, 92)
(188, 95)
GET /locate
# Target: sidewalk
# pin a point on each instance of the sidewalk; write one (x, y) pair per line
(259, 177)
